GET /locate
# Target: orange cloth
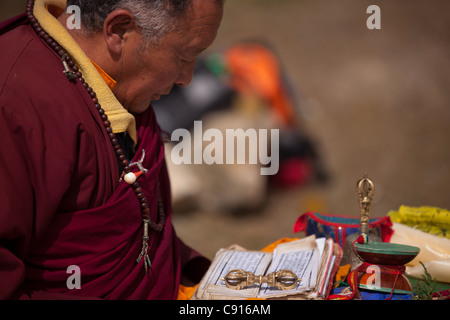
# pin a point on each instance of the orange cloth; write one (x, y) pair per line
(186, 293)
(342, 273)
(109, 81)
(272, 246)
(255, 69)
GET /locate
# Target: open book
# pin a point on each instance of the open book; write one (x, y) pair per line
(314, 261)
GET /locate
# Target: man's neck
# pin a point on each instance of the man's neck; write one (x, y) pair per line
(90, 46)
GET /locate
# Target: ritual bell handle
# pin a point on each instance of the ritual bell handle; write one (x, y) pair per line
(366, 190)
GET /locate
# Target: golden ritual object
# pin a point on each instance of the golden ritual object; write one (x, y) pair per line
(365, 190)
(238, 279)
(380, 265)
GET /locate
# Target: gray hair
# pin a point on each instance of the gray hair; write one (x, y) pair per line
(156, 18)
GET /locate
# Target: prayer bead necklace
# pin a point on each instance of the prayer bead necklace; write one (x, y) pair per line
(73, 74)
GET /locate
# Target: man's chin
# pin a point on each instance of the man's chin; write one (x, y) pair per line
(155, 97)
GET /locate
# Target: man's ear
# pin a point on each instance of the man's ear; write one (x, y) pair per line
(116, 28)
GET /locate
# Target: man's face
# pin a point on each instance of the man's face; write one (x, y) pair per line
(149, 73)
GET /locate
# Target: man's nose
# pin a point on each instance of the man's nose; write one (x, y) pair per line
(186, 74)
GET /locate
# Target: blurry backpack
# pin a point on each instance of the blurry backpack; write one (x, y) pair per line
(242, 69)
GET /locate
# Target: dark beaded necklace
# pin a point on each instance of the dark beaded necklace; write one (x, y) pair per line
(73, 74)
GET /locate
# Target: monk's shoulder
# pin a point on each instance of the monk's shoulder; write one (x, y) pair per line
(30, 71)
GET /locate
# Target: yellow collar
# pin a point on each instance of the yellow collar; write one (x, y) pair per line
(121, 120)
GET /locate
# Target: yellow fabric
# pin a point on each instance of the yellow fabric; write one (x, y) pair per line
(121, 120)
(186, 293)
(433, 220)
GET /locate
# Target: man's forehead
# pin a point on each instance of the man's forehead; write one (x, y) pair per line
(200, 26)
(203, 14)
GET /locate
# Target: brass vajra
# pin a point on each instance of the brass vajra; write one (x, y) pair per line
(239, 279)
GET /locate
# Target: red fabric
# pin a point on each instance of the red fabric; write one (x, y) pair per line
(352, 280)
(384, 223)
(61, 202)
(293, 172)
(444, 295)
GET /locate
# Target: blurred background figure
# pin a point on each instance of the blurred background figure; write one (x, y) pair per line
(243, 87)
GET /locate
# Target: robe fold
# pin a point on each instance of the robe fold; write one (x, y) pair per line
(62, 202)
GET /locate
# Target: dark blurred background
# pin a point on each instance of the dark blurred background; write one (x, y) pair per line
(375, 101)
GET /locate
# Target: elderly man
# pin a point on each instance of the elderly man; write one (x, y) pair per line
(84, 192)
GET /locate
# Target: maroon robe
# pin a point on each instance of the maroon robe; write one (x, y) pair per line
(60, 196)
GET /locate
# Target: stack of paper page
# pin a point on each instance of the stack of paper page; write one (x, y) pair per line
(311, 259)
